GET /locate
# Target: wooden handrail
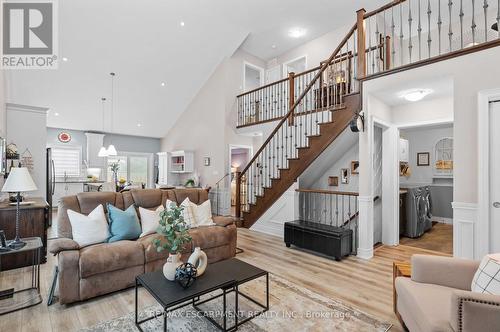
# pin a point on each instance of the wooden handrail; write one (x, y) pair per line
(383, 8)
(303, 94)
(262, 87)
(329, 192)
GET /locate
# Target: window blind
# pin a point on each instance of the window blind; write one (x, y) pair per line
(67, 161)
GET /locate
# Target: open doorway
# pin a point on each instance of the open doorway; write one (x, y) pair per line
(296, 65)
(253, 76)
(239, 157)
(426, 187)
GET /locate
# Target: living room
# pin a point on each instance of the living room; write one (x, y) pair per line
(150, 186)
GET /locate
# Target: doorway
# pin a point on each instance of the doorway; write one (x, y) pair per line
(296, 66)
(239, 157)
(494, 184)
(253, 76)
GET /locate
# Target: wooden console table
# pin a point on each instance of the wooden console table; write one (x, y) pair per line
(33, 222)
(399, 269)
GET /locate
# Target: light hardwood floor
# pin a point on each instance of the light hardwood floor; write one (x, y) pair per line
(366, 285)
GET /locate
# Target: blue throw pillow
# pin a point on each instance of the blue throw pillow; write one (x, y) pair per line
(123, 225)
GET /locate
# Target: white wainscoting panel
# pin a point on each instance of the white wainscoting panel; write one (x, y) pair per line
(465, 233)
(365, 227)
(285, 209)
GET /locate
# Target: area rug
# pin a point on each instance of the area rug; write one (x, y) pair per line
(292, 308)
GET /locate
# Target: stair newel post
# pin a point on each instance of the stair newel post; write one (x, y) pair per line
(238, 195)
(387, 52)
(291, 94)
(361, 31)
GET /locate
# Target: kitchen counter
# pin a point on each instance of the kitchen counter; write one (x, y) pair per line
(79, 181)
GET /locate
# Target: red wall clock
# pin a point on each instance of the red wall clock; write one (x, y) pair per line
(64, 137)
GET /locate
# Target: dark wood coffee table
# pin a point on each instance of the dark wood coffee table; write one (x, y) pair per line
(226, 276)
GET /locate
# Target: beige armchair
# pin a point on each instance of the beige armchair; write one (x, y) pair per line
(438, 297)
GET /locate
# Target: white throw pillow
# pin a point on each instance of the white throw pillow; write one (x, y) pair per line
(487, 277)
(187, 213)
(150, 220)
(202, 214)
(89, 229)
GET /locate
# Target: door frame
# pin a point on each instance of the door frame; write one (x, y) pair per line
(482, 236)
(258, 68)
(285, 73)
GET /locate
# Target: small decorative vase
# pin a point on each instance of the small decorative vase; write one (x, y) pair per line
(173, 262)
(199, 259)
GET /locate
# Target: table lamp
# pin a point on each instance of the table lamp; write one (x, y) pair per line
(18, 181)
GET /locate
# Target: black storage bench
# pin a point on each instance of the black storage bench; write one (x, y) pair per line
(326, 239)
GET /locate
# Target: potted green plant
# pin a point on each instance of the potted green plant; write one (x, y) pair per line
(175, 236)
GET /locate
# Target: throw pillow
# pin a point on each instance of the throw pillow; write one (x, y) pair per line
(487, 277)
(150, 220)
(188, 213)
(123, 225)
(90, 229)
(202, 213)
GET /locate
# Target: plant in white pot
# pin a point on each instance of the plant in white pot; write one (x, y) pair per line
(175, 233)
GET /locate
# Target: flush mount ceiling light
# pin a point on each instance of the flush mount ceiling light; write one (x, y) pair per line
(65, 59)
(297, 32)
(56, 114)
(163, 83)
(416, 94)
(182, 23)
(273, 46)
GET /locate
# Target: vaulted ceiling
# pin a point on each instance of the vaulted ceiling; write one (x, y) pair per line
(146, 45)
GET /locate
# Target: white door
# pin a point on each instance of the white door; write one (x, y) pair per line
(494, 177)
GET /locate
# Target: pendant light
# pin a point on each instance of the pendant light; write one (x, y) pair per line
(103, 152)
(111, 148)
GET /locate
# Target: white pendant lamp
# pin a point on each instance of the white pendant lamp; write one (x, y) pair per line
(103, 152)
(111, 148)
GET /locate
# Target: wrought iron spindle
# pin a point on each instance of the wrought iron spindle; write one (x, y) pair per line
(401, 34)
(439, 24)
(473, 24)
(461, 15)
(410, 21)
(450, 29)
(419, 31)
(485, 8)
(429, 38)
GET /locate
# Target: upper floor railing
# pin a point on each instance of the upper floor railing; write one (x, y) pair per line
(400, 35)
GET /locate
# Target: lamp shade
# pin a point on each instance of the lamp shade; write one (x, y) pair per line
(112, 150)
(103, 152)
(19, 180)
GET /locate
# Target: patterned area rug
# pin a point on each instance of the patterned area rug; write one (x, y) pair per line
(292, 308)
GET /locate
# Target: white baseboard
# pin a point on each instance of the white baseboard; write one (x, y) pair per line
(365, 253)
(443, 220)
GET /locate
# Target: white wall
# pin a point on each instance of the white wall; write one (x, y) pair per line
(316, 50)
(27, 128)
(208, 125)
(425, 110)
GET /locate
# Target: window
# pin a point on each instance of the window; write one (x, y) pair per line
(133, 168)
(67, 161)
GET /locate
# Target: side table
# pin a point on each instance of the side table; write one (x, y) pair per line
(12, 299)
(399, 269)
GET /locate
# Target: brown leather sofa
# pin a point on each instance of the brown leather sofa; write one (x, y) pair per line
(438, 297)
(107, 267)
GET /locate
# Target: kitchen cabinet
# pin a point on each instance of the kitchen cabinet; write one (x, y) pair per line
(404, 150)
(181, 162)
(162, 168)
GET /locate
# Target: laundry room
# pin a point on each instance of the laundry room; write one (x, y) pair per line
(426, 187)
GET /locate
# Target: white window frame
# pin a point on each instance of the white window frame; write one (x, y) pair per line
(151, 165)
(70, 147)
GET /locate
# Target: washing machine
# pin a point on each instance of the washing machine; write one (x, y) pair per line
(418, 211)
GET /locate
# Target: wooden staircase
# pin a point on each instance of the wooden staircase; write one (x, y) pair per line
(315, 106)
(296, 165)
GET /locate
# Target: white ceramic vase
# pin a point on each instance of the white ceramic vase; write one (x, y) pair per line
(199, 259)
(173, 262)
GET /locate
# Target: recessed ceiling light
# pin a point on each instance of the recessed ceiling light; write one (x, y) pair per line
(297, 32)
(163, 83)
(273, 46)
(56, 114)
(65, 59)
(139, 125)
(415, 94)
(182, 23)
